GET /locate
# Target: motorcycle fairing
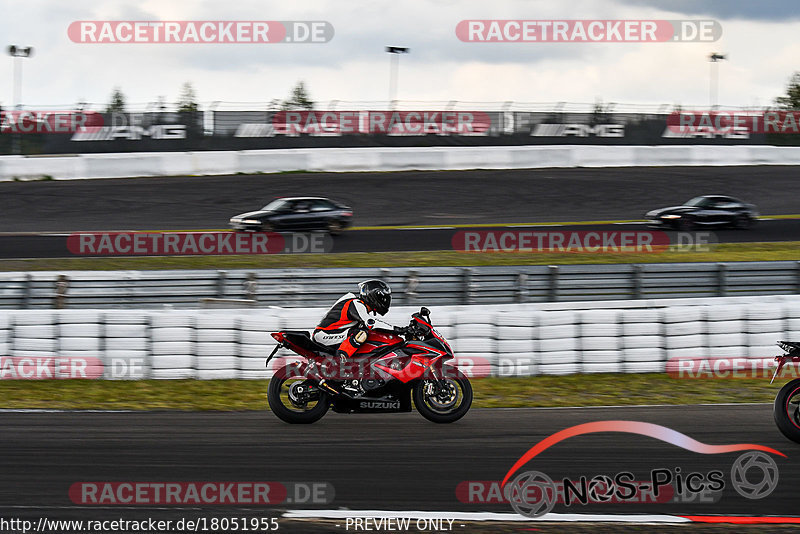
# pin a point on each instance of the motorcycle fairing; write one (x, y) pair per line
(418, 357)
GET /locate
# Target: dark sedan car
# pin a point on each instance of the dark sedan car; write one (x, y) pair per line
(708, 210)
(296, 214)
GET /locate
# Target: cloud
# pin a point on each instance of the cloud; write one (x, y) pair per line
(354, 67)
(776, 10)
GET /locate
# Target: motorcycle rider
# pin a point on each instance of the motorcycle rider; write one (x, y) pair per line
(349, 320)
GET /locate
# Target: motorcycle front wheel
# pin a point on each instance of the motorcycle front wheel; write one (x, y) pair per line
(443, 401)
(291, 399)
(787, 410)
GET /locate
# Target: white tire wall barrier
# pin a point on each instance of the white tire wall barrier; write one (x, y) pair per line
(511, 340)
(122, 165)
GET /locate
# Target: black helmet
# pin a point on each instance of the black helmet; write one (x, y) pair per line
(376, 294)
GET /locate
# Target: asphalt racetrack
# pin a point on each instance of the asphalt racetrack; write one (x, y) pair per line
(381, 462)
(375, 462)
(390, 199)
(431, 199)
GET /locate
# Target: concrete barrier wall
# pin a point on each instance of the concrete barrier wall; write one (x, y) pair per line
(509, 340)
(123, 165)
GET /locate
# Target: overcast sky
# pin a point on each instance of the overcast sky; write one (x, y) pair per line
(760, 38)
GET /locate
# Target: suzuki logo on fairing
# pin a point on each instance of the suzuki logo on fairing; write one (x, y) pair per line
(377, 404)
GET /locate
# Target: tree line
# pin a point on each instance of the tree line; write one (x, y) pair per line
(298, 99)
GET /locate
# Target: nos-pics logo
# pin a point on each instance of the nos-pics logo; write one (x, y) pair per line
(754, 474)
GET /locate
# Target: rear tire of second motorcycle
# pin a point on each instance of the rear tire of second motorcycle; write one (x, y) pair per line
(785, 419)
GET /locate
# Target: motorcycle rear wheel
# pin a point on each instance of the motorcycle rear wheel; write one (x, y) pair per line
(448, 410)
(787, 410)
(279, 397)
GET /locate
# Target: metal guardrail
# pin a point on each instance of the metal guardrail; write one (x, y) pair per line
(426, 285)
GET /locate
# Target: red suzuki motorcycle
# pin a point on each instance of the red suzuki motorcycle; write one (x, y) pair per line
(387, 371)
(787, 403)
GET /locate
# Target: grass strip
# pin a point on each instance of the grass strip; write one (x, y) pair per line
(238, 395)
(728, 252)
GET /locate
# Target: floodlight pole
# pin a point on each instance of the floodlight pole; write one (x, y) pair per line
(394, 66)
(17, 52)
(713, 82)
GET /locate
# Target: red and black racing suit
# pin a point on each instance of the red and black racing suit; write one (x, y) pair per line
(346, 324)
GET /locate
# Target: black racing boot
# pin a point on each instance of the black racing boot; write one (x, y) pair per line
(351, 383)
